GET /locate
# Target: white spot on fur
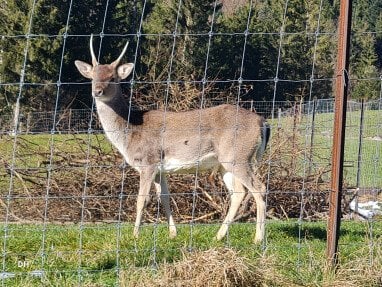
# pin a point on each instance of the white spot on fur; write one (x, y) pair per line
(206, 162)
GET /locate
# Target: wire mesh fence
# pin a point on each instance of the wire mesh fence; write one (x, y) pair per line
(298, 187)
(68, 196)
(79, 120)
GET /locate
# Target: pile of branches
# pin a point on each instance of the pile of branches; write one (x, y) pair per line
(91, 184)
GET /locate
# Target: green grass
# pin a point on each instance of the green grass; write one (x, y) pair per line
(70, 254)
(371, 153)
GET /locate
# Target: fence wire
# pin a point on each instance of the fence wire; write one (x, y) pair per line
(60, 176)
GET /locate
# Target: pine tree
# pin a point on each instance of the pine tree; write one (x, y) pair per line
(14, 15)
(378, 39)
(363, 60)
(182, 24)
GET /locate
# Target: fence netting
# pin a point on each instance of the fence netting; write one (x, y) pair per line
(67, 195)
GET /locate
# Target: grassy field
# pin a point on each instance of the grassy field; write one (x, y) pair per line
(371, 163)
(322, 136)
(108, 255)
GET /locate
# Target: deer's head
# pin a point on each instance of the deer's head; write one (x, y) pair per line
(105, 78)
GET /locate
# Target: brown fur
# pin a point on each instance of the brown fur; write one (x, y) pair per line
(226, 137)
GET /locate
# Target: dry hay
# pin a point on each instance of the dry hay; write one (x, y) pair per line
(360, 271)
(221, 267)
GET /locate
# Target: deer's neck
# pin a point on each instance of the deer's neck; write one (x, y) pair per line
(113, 114)
(117, 114)
(118, 120)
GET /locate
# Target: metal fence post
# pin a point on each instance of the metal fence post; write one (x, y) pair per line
(359, 158)
(312, 126)
(341, 88)
(360, 141)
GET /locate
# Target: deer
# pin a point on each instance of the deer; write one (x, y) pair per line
(224, 138)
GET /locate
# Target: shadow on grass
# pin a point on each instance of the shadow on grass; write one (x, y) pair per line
(317, 231)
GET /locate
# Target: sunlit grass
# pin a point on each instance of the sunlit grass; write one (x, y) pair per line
(97, 252)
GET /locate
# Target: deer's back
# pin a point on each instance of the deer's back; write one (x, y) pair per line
(181, 139)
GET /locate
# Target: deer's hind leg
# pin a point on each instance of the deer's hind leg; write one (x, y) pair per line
(160, 183)
(237, 192)
(246, 175)
(251, 181)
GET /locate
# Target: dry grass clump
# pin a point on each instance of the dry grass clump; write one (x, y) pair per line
(215, 268)
(224, 267)
(361, 271)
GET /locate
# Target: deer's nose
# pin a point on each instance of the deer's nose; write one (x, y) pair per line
(97, 92)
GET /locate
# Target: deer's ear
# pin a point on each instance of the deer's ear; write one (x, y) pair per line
(85, 69)
(125, 70)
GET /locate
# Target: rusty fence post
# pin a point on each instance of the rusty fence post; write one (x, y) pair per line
(341, 87)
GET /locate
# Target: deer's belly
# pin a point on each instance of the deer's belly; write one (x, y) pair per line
(206, 162)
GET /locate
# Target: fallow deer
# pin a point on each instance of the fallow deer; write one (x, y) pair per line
(226, 138)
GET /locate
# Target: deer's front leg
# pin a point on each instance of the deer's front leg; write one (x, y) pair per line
(145, 180)
(160, 183)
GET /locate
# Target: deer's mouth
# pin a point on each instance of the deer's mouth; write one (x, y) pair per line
(97, 93)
